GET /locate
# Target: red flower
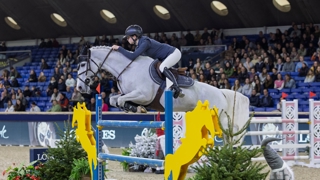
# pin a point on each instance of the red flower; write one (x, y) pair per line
(4, 172)
(36, 168)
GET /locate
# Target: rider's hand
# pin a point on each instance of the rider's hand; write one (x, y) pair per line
(115, 47)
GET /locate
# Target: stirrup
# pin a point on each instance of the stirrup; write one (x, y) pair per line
(177, 92)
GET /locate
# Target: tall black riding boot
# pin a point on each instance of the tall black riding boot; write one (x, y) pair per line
(178, 92)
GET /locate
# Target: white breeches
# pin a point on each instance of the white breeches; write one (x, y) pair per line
(171, 60)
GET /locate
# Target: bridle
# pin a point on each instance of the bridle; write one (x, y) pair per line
(87, 80)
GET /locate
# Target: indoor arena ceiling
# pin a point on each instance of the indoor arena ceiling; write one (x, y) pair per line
(83, 16)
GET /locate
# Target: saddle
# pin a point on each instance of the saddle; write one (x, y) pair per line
(180, 74)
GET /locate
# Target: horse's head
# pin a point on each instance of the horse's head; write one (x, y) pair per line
(84, 78)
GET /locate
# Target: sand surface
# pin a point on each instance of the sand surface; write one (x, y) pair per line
(14, 154)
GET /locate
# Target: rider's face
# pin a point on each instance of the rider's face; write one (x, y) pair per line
(131, 39)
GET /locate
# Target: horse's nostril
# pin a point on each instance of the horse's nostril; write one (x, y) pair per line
(79, 87)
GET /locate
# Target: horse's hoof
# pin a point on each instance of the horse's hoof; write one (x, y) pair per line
(142, 109)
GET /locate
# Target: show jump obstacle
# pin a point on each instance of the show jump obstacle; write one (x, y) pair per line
(201, 127)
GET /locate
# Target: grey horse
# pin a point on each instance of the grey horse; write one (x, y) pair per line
(137, 86)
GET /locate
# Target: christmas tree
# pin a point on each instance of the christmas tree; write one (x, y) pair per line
(228, 162)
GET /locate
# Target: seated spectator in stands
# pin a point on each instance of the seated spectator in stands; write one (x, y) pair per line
(237, 86)
(55, 95)
(302, 51)
(248, 64)
(10, 107)
(4, 99)
(91, 106)
(310, 77)
(70, 82)
(258, 86)
(269, 83)
(289, 83)
(35, 92)
(202, 78)
(55, 107)
(317, 75)
(14, 82)
(216, 66)
(68, 67)
(252, 74)
(76, 97)
(5, 73)
(259, 65)
(113, 92)
(53, 83)
(228, 70)
(44, 64)
(225, 84)
(61, 85)
(266, 100)
(268, 64)
(6, 83)
(64, 102)
(64, 72)
(19, 106)
(42, 44)
(194, 77)
(105, 106)
(294, 54)
(274, 74)
(279, 83)
(14, 73)
(311, 50)
(263, 75)
(32, 76)
(254, 99)
(198, 68)
(42, 77)
(279, 65)
(70, 58)
(55, 43)
(243, 75)
(22, 99)
(299, 64)
(303, 70)
(247, 88)
(288, 66)
(34, 107)
(56, 73)
(14, 98)
(26, 92)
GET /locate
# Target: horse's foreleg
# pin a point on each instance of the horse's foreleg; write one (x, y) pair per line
(114, 99)
(132, 96)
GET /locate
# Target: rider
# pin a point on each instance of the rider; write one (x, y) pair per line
(144, 45)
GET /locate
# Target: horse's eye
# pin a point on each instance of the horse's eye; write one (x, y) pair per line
(82, 65)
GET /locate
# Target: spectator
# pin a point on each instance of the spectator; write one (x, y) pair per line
(64, 102)
(34, 107)
(254, 99)
(113, 92)
(228, 70)
(76, 97)
(303, 70)
(105, 107)
(14, 82)
(212, 74)
(10, 107)
(61, 85)
(252, 74)
(279, 65)
(259, 65)
(289, 83)
(55, 43)
(266, 100)
(279, 83)
(263, 75)
(310, 77)
(55, 95)
(42, 44)
(243, 75)
(19, 106)
(27, 93)
(316, 55)
(237, 86)
(32, 76)
(70, 82)
(299, 64)
(258, 86)
(247, 88)
(294, 54)
(317, 75)
(269, 83)
(55, 107)
(311, 50)
(5, 73)
(302, 51)
(42, 77)
(288, 65)
(44, 64)
(6, 83)
(92, 105)
(14, 73)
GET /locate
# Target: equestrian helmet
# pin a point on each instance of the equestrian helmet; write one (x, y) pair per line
(134, 30)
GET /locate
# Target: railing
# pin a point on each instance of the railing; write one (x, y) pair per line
(9, 58)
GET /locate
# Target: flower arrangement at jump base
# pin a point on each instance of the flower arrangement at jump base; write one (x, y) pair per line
(25, 172)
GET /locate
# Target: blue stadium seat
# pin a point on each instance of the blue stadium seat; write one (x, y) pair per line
(259, 109)
(270, 109)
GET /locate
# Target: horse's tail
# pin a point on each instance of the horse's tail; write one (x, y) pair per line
(241, 110)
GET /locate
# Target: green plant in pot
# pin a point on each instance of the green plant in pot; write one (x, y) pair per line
(80, 169)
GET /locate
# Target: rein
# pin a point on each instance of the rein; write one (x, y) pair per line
(87, 81)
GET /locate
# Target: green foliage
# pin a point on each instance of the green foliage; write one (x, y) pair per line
(80, 168)
(25, 172)
(125, 152)
(61, 158)
(228, 162)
